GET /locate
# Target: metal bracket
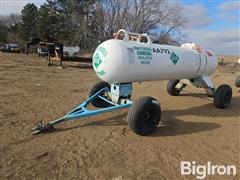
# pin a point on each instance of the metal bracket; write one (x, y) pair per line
(120, 91)
(204, 82)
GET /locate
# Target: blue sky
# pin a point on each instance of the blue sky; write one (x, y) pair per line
(223, 14)
(213, 24)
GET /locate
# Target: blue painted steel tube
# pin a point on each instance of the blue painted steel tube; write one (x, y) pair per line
(88, 113)
(81, 111)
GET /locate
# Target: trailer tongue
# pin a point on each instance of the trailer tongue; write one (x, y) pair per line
(81, 111)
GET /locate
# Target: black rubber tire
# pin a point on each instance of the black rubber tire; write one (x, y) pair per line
(223, 96)
(171, 87)
(237, 81)
(144, 115)
(97, 102)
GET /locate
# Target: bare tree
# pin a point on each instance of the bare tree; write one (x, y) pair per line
(86, 23)
(157, 18)
(10, 20)
(110, 15)
(9, 27)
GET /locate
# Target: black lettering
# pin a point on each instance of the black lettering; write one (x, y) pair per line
(157, 50)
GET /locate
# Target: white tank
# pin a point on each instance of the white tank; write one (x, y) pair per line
(132, 57)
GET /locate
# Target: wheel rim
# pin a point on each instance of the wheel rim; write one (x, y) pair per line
(149, 118)
(146, 116)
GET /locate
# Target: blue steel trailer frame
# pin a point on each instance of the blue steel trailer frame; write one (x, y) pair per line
(81, 111)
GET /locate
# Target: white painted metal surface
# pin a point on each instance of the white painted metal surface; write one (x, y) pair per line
(70, 51)
(119, 61)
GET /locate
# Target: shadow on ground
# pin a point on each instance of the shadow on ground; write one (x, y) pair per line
(172, 126)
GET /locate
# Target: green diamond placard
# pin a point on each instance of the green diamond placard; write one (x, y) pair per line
(97, 60)
(174, 58)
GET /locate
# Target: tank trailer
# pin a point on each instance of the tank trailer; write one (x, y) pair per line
(130, 58)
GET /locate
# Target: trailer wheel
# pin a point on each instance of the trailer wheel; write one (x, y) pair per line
(144, 115)
(171, 87)
(223, 96)
(97, 102)
(237, 81)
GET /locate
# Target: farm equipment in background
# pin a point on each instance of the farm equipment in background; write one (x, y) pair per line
(56, 52)
(32, 42)
(11, 47)
(52, 51)
(42, 52)
(61, 54)
(70, 52)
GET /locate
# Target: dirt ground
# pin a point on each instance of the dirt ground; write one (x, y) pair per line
(103, 147)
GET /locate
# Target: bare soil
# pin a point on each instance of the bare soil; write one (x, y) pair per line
(103, 146)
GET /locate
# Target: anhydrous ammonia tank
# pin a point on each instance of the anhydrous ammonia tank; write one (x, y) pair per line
(128, 59)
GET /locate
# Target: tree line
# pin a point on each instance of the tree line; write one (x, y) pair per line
(86, 23)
